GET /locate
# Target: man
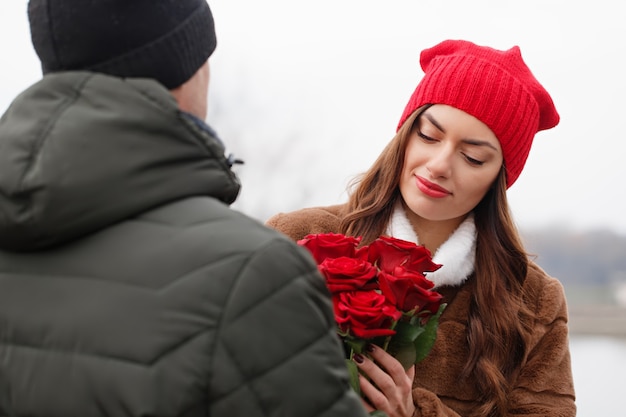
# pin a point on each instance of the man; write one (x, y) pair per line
(128, 287)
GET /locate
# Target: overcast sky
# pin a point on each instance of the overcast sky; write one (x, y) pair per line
(308, 93)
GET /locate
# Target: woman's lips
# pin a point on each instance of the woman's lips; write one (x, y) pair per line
(431, 189)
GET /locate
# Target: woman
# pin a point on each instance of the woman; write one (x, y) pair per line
(462, 141)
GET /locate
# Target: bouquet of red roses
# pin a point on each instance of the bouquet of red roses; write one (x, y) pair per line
(380, 295)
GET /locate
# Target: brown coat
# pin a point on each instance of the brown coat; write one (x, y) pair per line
(543, 386)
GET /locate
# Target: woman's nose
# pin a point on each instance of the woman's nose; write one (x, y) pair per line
(439, 164)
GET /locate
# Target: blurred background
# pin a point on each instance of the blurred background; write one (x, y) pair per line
(309, 93)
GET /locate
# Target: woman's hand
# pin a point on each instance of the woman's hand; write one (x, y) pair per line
(389, 386)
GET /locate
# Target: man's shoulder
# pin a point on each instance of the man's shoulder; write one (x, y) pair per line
(240, 247)
(208, 218)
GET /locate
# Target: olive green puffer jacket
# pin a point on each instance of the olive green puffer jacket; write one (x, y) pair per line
(128, 287)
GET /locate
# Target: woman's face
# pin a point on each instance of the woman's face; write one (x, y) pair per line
(451, 160)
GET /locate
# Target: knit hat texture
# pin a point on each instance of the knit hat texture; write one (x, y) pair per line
(167, 40)
(494, 86)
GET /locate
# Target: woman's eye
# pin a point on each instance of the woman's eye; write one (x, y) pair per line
(473, 161)
(426, 138)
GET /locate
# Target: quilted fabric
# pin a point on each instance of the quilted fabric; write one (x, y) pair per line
(128, 287)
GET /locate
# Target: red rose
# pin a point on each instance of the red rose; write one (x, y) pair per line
(388, 252)
(364, 314)
(348, 274)
(330, 245)
(417, 277)
(409, 291)
(379, 291)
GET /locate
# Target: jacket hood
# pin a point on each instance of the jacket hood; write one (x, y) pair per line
(80, 151)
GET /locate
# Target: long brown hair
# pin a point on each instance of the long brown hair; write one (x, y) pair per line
(497, 320)
(374, 194)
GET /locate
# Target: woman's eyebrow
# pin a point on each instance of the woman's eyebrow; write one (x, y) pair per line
(479, 142)
(435, 123)
(469, 141)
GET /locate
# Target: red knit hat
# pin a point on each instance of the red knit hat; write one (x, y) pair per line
(494, 86)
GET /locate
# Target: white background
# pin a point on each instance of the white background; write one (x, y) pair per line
(308, 94)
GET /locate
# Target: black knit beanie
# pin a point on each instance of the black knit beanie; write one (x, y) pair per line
(168, 40)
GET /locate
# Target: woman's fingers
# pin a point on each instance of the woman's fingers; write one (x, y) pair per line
(385, 383)
(367, 405)
(373, 399)
(410, 373)
(390, 364)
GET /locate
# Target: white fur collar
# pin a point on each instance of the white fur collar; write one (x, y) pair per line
(456, 255)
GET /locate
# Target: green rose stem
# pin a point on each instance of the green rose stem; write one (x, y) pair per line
(356, 346)
(388, 338)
